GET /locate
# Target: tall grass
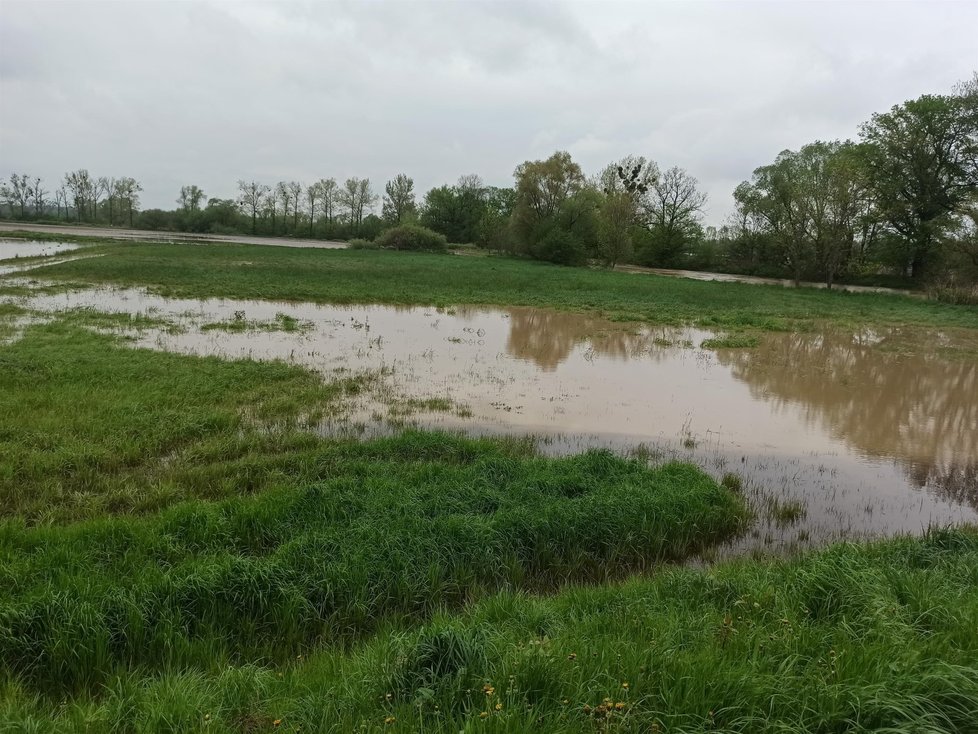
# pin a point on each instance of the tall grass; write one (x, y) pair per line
(879, 638)
(402, 526)
(349, 276)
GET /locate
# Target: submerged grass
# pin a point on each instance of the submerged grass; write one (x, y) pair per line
(854, 638)
(240, 323)
(353, 276)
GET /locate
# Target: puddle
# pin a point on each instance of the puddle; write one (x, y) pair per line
(15, 249)
(835, 434)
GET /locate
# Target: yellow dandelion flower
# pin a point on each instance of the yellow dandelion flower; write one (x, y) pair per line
(389, 720)
(484, 714)
(277, 722)
(625, 685)
(499, 707)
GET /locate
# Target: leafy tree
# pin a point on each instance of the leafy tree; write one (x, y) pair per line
(776, 194)
(554, 211)
(399, 199)
(922, 158)
(455, 211)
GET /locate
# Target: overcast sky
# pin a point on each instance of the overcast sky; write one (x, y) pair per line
(174, 93)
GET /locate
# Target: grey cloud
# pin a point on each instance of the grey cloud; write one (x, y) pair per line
(207, 93)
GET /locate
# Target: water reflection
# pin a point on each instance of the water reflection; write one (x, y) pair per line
(886, 394)
(548, 338)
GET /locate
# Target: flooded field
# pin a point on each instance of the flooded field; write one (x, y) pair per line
(835, 434)
(16, 249)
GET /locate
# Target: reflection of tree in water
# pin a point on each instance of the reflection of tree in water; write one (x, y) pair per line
(955, 483)
(547, 338)
(917, 408)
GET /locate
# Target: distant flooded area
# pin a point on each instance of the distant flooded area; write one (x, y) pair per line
(836, 434)
(16, 249)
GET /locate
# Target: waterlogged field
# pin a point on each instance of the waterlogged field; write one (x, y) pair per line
(223, 512)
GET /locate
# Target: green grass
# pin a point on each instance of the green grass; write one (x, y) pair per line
(89, 427)
(853, 639)
(348, 276)
(731, 341)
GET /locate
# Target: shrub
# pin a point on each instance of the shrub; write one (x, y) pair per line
(361, 244)
(412, 237)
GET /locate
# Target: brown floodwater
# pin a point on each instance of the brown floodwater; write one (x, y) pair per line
(837, 434)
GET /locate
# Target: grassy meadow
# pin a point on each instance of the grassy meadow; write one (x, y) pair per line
(358, 276)
(180, 552)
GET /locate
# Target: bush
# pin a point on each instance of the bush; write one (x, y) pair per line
(412, 237)
(561, 247)
(361, 244)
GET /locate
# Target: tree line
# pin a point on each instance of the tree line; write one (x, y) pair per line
(899, 203)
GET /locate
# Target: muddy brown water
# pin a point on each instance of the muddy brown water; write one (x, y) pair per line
(837, 434)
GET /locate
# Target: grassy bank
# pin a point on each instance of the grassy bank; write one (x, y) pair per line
(345, 276)
(855, 638)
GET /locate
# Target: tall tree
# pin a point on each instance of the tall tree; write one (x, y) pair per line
(616, 220)
(190, 199)
(923, 162)
(398, 199)
(37, 196)
(129, 189)
(673, 210)
(329, 193)
(18, 193)
(100, 188)
(357, 197)
(295, 193)
(284, 194)
(777, 194)
(251, 195)
(79, 185)
(313, 194)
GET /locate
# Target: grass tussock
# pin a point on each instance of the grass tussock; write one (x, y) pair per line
(731, 341)
(240, 323)
(855, 638)
(397, 527)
